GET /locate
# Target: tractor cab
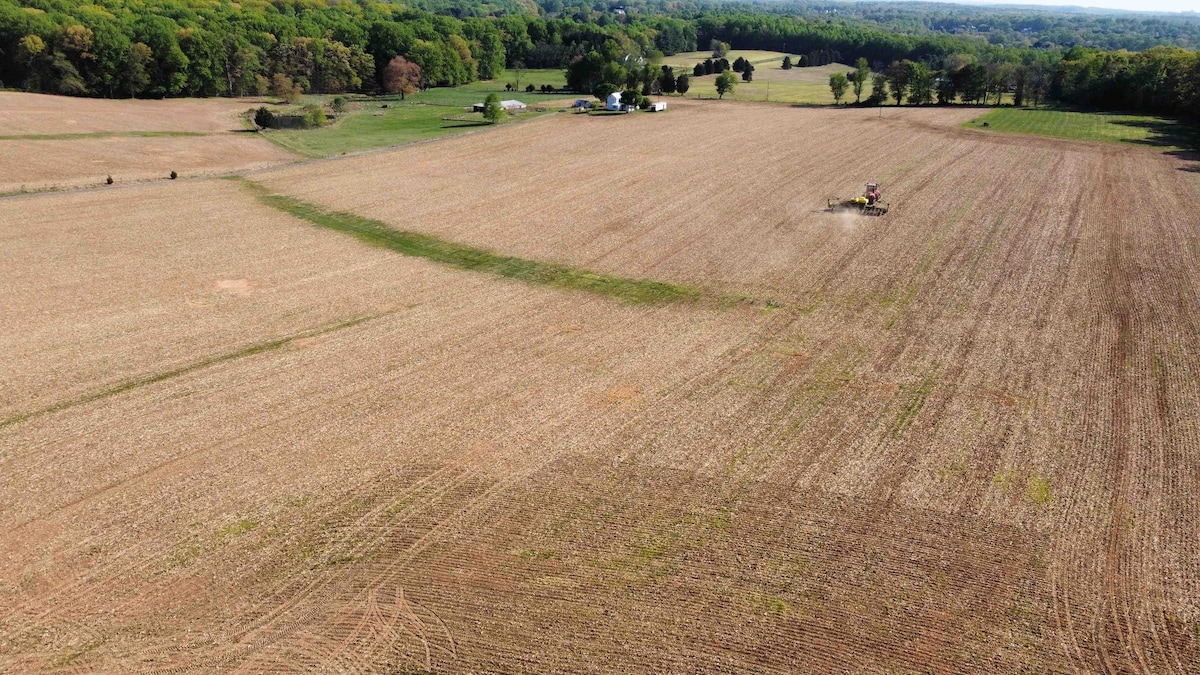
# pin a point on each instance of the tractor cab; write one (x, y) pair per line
(872, 193)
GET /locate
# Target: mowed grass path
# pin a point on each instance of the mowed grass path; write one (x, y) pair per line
(1159, 132)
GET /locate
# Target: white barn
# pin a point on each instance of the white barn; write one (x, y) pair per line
(614, 101)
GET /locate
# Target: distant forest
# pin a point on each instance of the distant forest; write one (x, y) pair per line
(160, 48)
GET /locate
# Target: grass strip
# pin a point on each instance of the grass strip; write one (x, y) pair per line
(143, 380)
(100, 134)
(459, 256)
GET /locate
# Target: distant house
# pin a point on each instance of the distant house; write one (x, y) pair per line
(613, 102)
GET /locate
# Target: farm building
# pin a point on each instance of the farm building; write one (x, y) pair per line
(659, 106)
(582, 103)
(510, 105)
(613, 102)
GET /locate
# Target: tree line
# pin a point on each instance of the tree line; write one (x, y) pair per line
(1162, 80)
(157, 48)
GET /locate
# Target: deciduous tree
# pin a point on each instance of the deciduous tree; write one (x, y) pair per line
(920, 84)
(879, 89)
(726, 81)
(838, 83)
(862, 71)
(898, 75)
(492, 110)
(283, 88)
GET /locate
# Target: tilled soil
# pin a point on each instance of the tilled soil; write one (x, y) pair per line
(961, 437)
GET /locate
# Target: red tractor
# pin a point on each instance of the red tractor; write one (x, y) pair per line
(868, 204)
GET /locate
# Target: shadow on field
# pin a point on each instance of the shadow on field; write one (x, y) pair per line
(1183, 139)
(1192, 156)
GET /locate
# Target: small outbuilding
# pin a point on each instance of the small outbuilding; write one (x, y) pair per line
(659, 106)
(582, 104)
(613, 102)
(509, 105)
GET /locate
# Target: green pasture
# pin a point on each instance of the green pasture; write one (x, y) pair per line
(438, 112)
(756, 56)
(803, 86)
(1157, 132)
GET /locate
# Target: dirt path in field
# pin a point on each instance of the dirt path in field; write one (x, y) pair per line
(959, 438)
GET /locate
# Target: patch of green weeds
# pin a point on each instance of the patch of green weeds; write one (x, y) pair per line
(537, 554)
(236, 529)
(770, 604)
(1039, 490)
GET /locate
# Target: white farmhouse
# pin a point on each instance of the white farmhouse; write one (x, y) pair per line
(614, 101)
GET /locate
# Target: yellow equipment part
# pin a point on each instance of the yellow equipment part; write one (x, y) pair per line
(859, 200)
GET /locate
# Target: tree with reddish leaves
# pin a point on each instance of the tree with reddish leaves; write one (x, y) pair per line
(401, 76)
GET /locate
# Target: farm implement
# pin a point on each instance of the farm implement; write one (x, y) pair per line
(868, 203)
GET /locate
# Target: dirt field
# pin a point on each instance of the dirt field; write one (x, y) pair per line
(36, 165)
(24, 114)
(56, 142)
(959, 438)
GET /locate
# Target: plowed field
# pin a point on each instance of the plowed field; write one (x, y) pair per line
(60, 142)
(963, 437)
(25, 114)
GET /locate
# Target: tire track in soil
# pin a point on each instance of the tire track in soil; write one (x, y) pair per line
(1167, 311)
(1114, 634)
(888, 485)
(1060, 590)
(119, 568)
(399, 558)
(455, 475)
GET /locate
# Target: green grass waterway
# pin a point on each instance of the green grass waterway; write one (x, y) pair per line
(460, 256)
